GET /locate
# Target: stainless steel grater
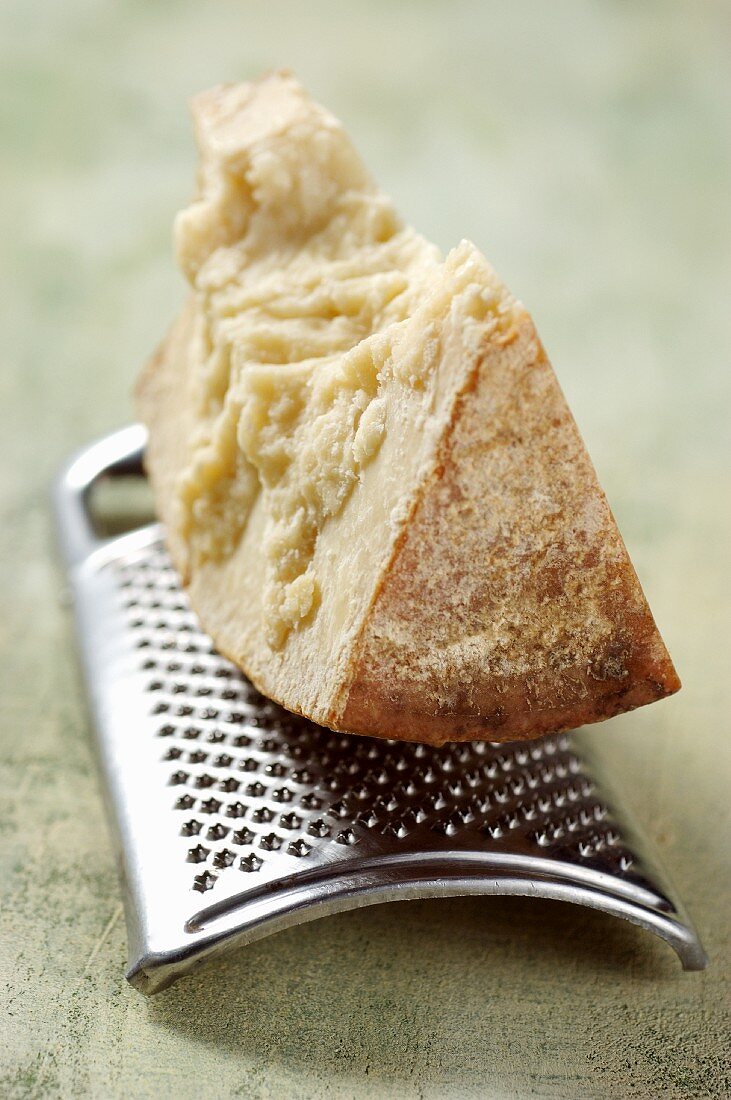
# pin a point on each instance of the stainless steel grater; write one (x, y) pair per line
(236, 819)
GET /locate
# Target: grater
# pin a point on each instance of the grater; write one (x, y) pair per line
(236, 818)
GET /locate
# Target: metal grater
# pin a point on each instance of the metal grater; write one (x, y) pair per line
(236, 818)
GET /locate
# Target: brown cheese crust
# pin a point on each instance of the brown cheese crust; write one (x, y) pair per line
(510, 608)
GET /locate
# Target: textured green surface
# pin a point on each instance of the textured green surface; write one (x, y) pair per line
(586, 148)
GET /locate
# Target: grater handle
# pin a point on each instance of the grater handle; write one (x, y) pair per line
(117, 455)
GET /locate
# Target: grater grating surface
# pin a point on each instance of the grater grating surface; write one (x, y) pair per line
(236, 818)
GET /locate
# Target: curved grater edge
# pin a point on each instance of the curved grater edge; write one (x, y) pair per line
(235, 818)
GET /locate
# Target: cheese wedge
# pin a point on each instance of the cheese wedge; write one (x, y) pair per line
(370, 479)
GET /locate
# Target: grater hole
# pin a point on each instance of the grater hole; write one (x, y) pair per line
(251, 862)
(282, 794)
(243, 836)
(346, 836)
(224, 858)
(210, 806)
(204, 882)
(262, 815)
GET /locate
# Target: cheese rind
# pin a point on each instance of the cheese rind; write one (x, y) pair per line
(374, 466)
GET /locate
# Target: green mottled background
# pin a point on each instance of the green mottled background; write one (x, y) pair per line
(586, 147)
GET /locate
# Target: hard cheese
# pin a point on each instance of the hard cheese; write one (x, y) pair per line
(370, 479)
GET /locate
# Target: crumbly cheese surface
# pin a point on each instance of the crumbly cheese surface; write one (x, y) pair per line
(314, 306)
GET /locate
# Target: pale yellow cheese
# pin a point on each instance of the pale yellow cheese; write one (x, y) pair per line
(316, 309)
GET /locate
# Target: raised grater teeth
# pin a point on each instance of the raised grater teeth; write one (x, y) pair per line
(237, 818)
